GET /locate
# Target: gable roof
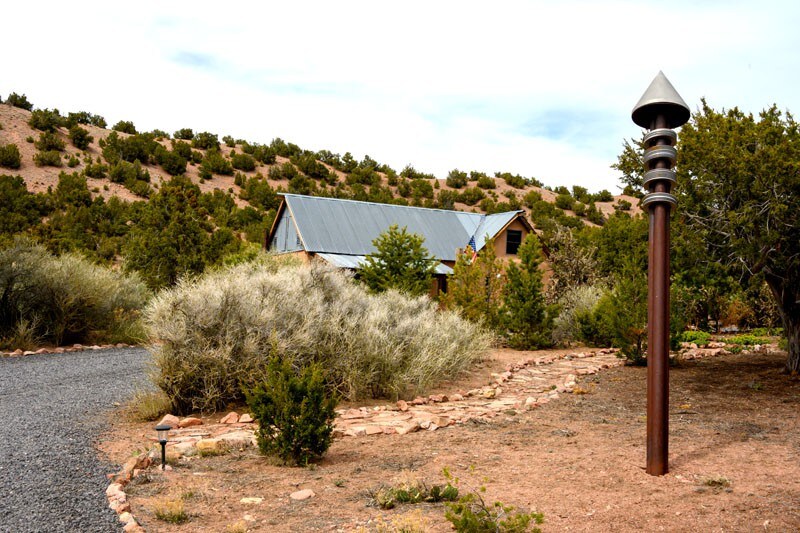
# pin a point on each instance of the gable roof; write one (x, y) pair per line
(348, 227)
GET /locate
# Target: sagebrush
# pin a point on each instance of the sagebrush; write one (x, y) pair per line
(215, 334)
(65, 299)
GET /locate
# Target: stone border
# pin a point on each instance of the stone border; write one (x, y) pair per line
(64, 349)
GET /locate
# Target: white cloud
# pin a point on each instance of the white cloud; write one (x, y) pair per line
(542, 89)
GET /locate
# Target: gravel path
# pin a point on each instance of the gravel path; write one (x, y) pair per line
(52, 410)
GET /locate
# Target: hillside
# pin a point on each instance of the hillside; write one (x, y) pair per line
(320, 173)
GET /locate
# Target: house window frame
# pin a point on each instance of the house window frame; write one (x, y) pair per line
(511, 246)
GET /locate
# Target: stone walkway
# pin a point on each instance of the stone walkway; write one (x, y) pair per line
(524, 385)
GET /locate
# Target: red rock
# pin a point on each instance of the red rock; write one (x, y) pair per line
(411, 427)
(389, 430)
(374, 430)
(301, 495)
(230, 418)
(42, 350)
(437, 398)
(17, 352)
(419, 400)
(189, 422)
(246, 419)
(402, 405)
(170, 420)
(456, 398)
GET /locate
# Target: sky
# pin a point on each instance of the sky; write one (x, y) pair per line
(541, 89)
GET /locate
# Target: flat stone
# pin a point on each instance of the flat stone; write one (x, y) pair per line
(419, 400)
(170, 420)
(374, 430)
(402, 405)
(251, 500)
(189, 421)
(230, 418)
(125, 517)
(456, 398)
(301, 495)
(407, 428)
(246, 419)
(437, 398)
(239, 438)
(356, 431)
(209, 446)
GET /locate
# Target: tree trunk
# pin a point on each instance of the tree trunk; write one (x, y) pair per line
(787, 295)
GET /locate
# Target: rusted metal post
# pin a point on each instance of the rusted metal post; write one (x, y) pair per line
(659, 110)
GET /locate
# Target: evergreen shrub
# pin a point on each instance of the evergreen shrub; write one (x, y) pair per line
(294, 410)
(9, 156)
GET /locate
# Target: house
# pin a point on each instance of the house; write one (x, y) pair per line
(341, 232)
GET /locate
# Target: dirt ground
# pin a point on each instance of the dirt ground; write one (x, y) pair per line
(734, 462)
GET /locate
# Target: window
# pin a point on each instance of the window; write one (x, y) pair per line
(513, 240)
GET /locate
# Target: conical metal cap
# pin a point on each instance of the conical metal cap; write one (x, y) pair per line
(660, 98)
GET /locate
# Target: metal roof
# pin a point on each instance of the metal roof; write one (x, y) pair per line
(355, 262)
(348, 227)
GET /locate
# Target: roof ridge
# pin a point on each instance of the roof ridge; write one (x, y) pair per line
(482, 215)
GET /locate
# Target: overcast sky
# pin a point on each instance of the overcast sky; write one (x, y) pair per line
(543, 89)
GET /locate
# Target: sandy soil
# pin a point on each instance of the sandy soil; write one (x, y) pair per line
(734, 450)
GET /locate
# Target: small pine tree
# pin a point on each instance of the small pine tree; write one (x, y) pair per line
(400, 262)
(528, 319)
(475, 287)
(80, 137)
(294, 411)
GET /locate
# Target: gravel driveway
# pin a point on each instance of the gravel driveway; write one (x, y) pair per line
(52, 409)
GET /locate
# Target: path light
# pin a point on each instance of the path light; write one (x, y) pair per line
(163, 431)
(659, 110)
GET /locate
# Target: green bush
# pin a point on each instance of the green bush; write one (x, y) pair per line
(50, 158)
(83, 117)
(80, 137)
(205, 141)
(471, 196)
(19, 208)
(49, 141)
(214, 334)
(185, 134)
(96, 170)
(125, 126)
(456, 179)
(229, 141)
(243, 162)
(747, 340)
(45, 120)
(485, 182)
(172, 162)
(700, 338)
(472, 514)
(564, 201)
(215, 163)
(19, 101)
(294, 411)
(9, 156)
(66, 299)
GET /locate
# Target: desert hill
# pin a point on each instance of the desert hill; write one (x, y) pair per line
(282, 166)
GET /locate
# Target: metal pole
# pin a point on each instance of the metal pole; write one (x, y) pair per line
(660, 109)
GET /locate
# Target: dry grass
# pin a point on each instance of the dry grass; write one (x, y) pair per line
(216, 333)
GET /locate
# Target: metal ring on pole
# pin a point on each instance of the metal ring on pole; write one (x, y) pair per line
(661, 152)
(660, 133)
(659, 197)
(659, 174)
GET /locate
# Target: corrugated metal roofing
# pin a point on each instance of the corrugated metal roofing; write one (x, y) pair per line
(355, 261)
(347, 227)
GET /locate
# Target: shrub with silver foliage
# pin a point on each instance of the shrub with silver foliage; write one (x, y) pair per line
(214, 334)
(580, 299)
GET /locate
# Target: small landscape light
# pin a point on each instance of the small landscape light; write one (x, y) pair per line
(162, 431)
